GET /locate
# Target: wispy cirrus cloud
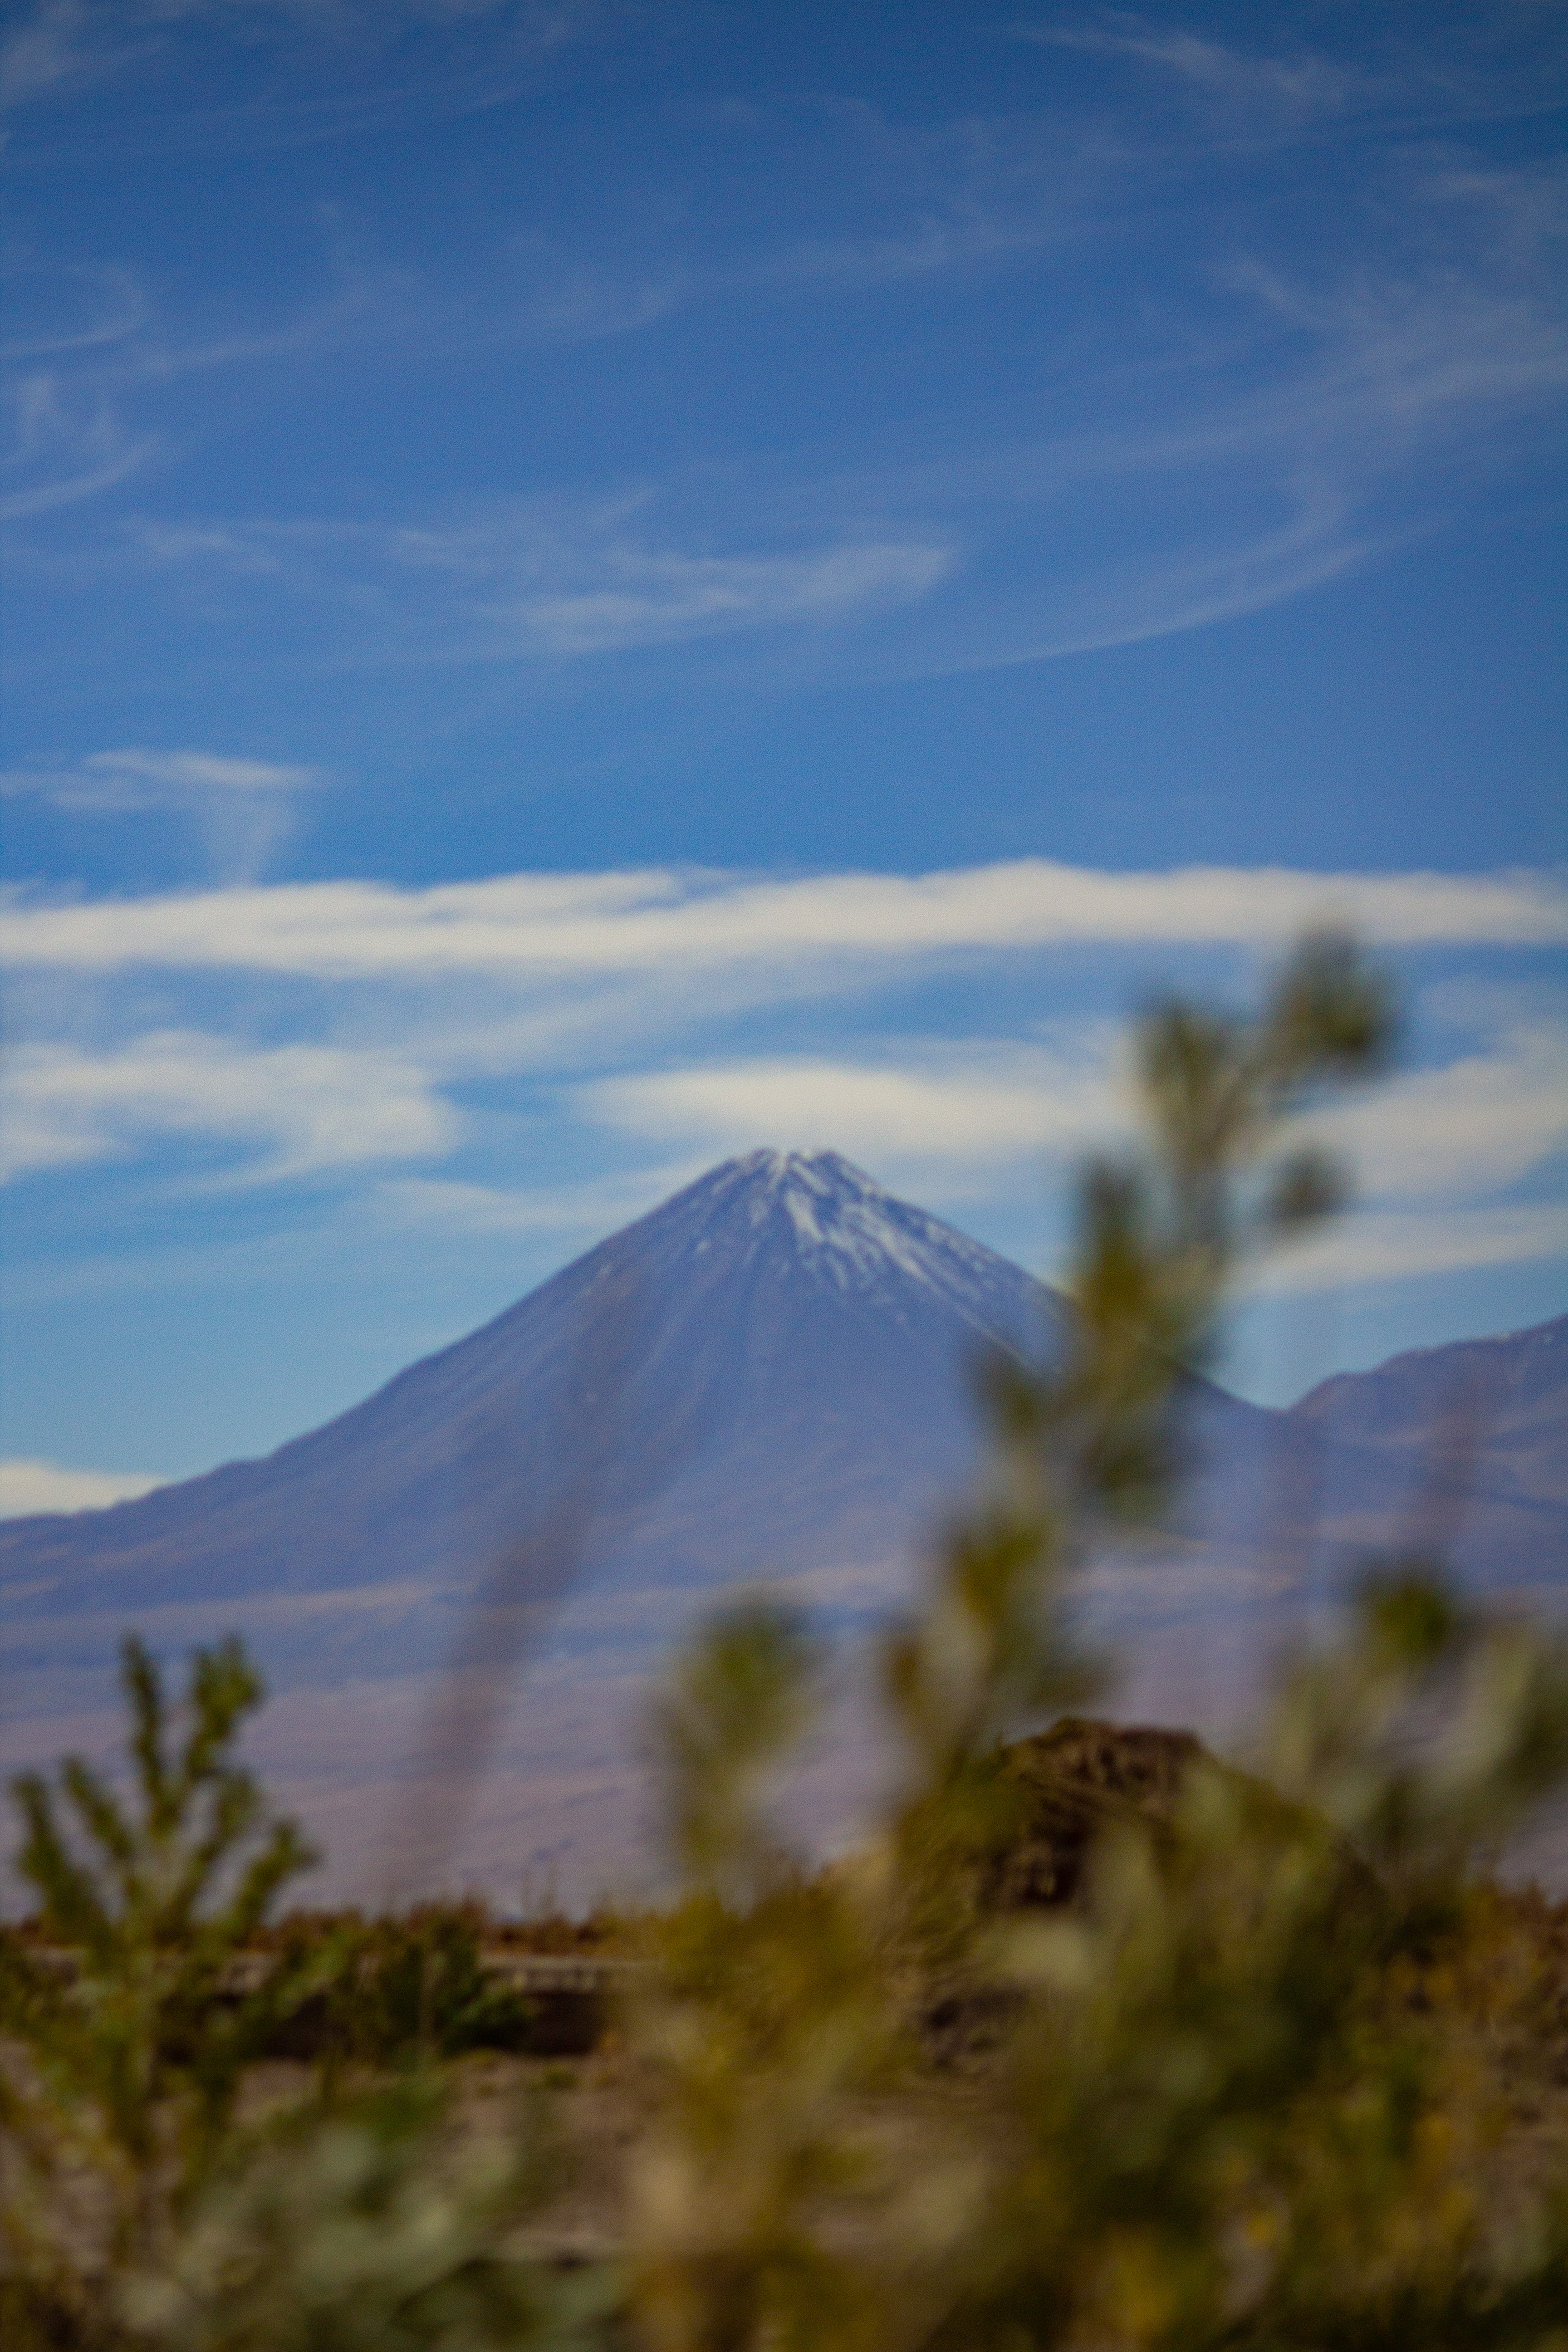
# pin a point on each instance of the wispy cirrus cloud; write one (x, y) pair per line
(650, 598)
(65, 443)
(65, 434)
(56, 43)
(1289, 88)
(1268, 414)
(530, 582)
(56, 46)
(240, 809)
(1273, 84)
(136, 778)
(92, 370)
(90, 310)
(287, 1111)
(1214, 482)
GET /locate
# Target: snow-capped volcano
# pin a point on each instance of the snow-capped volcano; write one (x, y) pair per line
(781, 1348)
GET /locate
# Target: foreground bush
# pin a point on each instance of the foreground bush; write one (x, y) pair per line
(132, 2044)
(370, 2227)
(410, 1986)
(138, 2206)
(1218, 2102)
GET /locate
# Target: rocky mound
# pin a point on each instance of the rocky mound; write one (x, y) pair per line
(1071, 1782)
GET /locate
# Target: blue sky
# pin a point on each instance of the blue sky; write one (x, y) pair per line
(589, 586)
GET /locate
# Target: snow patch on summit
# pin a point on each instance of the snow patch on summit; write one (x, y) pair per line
(803, 1217)
(852, 1233)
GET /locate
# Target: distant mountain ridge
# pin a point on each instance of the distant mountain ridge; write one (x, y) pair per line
(1494, 1409)
(768, 1377)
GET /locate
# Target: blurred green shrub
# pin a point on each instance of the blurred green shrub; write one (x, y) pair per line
(376, 2226)
(124, 2037)
(1219, 2103)
(415, 1986)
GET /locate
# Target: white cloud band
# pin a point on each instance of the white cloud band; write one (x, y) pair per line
(1393, 1246)
(306, 1106)
(664, 919)
(977, 1105)
(28, 1485)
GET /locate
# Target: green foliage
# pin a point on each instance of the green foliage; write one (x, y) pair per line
(136, 2209)
(372, 2226)
(1161, 1240)
(733, 1703)
(1212, 2108)
(1238, 2127)
(153, 1878)
(416, 1987)
(1351, 1731)
(131, 2030)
